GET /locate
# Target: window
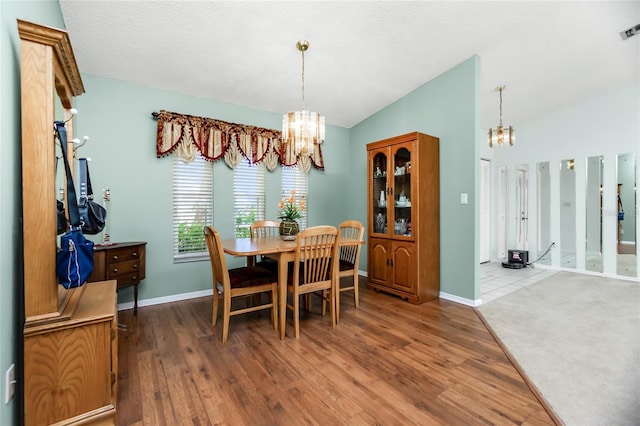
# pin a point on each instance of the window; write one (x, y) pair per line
(192, 208)
(294, 178)
(248, 196)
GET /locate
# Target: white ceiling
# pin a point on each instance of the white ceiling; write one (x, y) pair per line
(363, 55)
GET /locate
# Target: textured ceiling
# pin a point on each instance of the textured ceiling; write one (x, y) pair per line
(364, 54)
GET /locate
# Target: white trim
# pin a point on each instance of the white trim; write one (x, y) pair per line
(166, 299)
(458, 299)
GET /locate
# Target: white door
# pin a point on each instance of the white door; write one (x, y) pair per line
(522, 207)
(501, 225)
(485, 210)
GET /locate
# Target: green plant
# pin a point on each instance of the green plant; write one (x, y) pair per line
(191, 237)
(290, 208)
(244, 220)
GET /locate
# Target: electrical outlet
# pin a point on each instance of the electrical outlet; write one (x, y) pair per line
(10, 383)
(464, 198)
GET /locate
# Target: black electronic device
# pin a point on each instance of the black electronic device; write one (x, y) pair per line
(516, 259)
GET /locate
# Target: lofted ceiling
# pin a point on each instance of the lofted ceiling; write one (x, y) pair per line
(363, 55)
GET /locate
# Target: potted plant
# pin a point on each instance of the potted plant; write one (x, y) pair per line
(290, 210)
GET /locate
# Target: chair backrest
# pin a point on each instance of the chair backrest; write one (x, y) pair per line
(265, 228)
(350, 230)
(315, 249)
(216, 255)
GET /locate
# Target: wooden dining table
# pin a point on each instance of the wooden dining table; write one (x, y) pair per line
(275, 248)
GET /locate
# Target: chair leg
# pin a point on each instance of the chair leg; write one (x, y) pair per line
(337, 302)
(355, 289)
(296, 315)
(274, 308)
(214, 315)
(225, 319)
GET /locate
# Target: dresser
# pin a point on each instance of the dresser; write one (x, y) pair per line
(124, 262)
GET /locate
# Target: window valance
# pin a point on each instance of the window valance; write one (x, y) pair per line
(215, 139)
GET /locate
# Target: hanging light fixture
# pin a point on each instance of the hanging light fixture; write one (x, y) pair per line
(499, 135)
(302, 130)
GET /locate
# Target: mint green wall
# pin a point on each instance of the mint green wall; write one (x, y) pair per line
(117, 118)
(445, 107)
(46, 13)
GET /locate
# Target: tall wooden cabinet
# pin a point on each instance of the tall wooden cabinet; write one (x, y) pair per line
(70, 336)
(404, 216)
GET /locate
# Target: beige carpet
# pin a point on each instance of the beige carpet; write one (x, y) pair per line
(577, 338)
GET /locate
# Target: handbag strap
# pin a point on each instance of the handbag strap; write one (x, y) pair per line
(72, 200)
(86, 191)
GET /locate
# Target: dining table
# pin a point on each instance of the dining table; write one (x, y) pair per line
(283, 251)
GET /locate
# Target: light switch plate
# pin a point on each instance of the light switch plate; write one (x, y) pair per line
(10, 383)
(464, 198)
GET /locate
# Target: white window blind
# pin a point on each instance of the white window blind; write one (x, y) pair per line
(248, 196)
(294, 178)
(192, 208)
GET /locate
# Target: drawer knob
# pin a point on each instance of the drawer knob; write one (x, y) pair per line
(135, 254)
(134, 278)
(115, 269)
(135, 266)
(115, 257)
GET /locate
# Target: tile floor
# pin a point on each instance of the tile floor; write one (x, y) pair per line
(496, 281)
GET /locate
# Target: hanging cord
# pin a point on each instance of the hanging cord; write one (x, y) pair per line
(302, 50)
(543, 255)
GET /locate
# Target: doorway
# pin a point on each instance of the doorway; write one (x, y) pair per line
(485, 210)
(522, 207)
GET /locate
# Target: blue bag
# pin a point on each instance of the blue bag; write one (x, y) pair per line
(74, 260)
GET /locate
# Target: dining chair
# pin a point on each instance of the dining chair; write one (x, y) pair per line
(313, 270)
(264, 229)
(239, 282)
(349, 254)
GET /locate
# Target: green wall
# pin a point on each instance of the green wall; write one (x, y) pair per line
(46, 13)
(117, 118)
(445, 107)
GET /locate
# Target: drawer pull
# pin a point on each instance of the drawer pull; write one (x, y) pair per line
(135, 254)
(134, 278)
(115, 257)
(135, 266)
(115, 270)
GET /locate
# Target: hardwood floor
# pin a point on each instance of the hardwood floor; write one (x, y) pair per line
(387, 363)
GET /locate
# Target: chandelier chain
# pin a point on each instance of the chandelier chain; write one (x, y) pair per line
(303, 80)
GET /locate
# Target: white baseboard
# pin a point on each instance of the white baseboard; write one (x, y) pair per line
(461, 300)
(166, 299)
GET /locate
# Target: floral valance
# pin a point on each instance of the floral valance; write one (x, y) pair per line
(188, 135)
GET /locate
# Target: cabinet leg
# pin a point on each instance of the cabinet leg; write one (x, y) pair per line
(135, 300)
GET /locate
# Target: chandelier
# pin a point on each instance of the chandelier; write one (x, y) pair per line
(499, 135)
(302, 130)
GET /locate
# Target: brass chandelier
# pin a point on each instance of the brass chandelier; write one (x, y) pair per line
(302, 130)
(500, 134)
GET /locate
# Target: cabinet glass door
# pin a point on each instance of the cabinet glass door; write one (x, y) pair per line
(402, 192)
(379, 192)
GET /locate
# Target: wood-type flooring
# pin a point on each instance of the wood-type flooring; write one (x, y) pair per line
(387, 363)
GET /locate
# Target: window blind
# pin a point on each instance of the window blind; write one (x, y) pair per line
(248, 196)
(294, 178)
(192, 208)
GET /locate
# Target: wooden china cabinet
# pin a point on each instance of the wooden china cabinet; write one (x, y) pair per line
(404, 216)
(70, 336)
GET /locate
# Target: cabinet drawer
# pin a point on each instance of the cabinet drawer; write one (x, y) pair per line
(116, 270)
(123, 254)
(128, 279)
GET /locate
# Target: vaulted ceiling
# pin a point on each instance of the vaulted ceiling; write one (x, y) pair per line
(363, 54)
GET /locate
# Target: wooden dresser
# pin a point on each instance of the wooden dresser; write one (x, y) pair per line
(123, 262)
(70, 339)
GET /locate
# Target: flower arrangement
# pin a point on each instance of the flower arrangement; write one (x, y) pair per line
(290, 208)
